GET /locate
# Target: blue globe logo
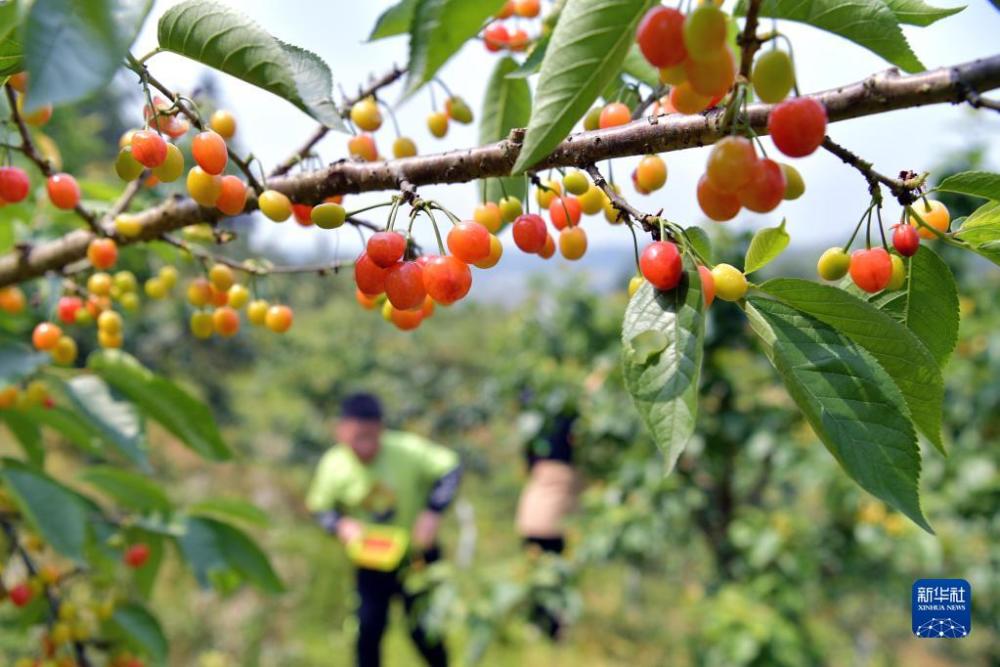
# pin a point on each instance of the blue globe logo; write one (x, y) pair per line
(942, 628)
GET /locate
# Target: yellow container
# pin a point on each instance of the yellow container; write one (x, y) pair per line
(379, 548)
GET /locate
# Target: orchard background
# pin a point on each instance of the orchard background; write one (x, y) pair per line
(153, 468)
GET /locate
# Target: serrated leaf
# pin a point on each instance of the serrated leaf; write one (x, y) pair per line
(765, 246)
(918, 12)
(57, 513)
(27, 433)
(533, 62)
(230, 508)
(128, 489)
(927, 304)
(507, 105)
(160, 399)
(228, 41)
(664, 385)
(140, 630)
(73, 48)
(851, 403)
(585, 54)
(898, 350)
(637, 67)
(983, 184)
(698, 238)
(439, 28)
(868, 23)
(393, 21)
(117, 421)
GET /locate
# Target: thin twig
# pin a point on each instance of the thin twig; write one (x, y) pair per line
(748, 40)
(904, 190)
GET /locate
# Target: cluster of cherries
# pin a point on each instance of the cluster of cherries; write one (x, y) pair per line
(497, 36)
(366, 116)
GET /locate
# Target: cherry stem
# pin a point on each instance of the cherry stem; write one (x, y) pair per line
(857, 228)
(881, 229)
(370, 208)
(392, 214)
(437, 232)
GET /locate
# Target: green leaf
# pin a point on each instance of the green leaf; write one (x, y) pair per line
(588, 47)
(918, 12)
(663, 381)
(698, 238)
(636, 66)
(11, 49)
(765, 246)
(927, 304)
(851, 403)
(507, 105)
(247, 558)
(982, 231)
(217, 550)
(868, 23)
(117, 421)
(138, 628)
(73, 48)
(18, 361)
(176, 410)
(534, 59)
(128, 489)
(228, 41)
(439, 28)
(899, 351)
(70, 425)
(57, 513)
(976, 183)
(230, 508)
(27, 433)
(394, 21)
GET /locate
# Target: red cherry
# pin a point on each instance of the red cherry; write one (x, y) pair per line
(447, 279)
(469, 241)
(613, 115)
(529, 232)
(766, 187)
(406, 320)
(64, 192)
(232, 195)
(149, 148)
(717, 205)
(906, 240)
(661, 37)
(797, 126)
(67, 307)
(871, 269)
(209, 150)
(495, 37)
(404, 285)
(707, 284)
(565, 211)
(21, 594)
(660, 264)
(303, 214)
(14, 184)
(369, 276)
(386, 248)
(136, 555)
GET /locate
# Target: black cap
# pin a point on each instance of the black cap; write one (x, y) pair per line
(361, 406)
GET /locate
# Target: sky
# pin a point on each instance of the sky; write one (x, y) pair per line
(835, 195)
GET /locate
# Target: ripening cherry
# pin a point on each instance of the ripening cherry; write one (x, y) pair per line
(707, 284)
(257, 312)
(687, 100)
(933, 213)
(458, 110)
(730, 283)
(20, 594)
(102, 253)
(36, 118)
(705, 31)
(527, 8)
(506, 11)
(238, 296)
(148, 148)
(66, 308)
(765, 189)
(651, 174)
(546, 192)
(404, 285)
(65, 351)
(495, 37)
(126, 166)
(496, 252)
(661, 36)
(172, 166)
(110, 322)
(660, 263)
(638, 187)
(226, 321)
(518, 40)
(209, 150)
(365, 115)
(199, 292)
(795, 187)
(275, 205)
(871, 269)
(328, 215)
(203, 187)
(385, 249)
(773, 76)
(232, 197)
(437, 123)
(572, 243)
(403, 147)
(64, 191)
(303, 214)
(136, 555)
(14, 184)
(12, 300)
(369, 276)
(365, 301)
(19, 82)
(592, 119)
(279, 318)
(45, 336)
(99, 284)
(565, 212)
(797, 126)
(529, 233)
(489, 216)
(730, 163)
(363, 147)
(201, 324)
(549, 248)
(447, 279)
(469, 241)
(673, 76)
(614, 114)
(221, 277)
(592, 201)
(715, 204)
(576, 182)
(898, 276)
(905, 240)
(405, 320)
(712, 76)
(223, 123)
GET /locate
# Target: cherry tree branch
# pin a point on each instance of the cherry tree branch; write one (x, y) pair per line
(904, 189)
(880, 93)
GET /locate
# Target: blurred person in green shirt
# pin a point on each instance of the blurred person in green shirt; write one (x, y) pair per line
(377, 477)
